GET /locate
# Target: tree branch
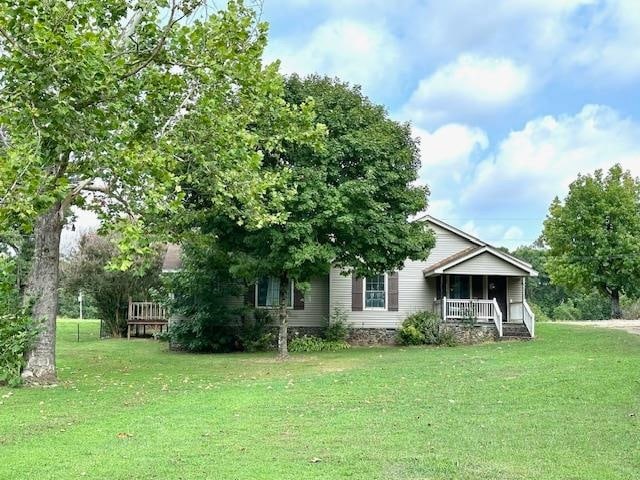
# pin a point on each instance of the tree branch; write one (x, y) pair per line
(106, 190)
(163, 38)
(9, 39)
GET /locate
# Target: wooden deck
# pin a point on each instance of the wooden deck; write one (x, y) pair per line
(146, 314)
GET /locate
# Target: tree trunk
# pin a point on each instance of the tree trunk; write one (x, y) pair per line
(616, 311)
(41, 295)
(283, 350)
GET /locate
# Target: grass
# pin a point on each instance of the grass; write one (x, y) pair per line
(566, 406)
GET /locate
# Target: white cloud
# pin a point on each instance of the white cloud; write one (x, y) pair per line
(513, 233)
(536, 163)
(446, 153)
(469, 86)
(609, 47)
(360, 53)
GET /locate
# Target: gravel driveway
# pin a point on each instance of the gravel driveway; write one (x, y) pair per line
(631, 326)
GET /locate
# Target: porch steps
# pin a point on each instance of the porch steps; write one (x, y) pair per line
(515, 331)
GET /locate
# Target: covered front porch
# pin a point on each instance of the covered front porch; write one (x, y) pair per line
(483, 286)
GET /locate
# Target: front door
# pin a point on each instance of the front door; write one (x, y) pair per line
(497, 288)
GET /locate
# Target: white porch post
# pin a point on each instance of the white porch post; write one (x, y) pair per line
(444, 309)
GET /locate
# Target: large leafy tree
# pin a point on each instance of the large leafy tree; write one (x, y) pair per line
(125, 106)
(594, 235)
(353, 198)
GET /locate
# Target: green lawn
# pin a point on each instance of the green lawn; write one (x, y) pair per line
(566, 406)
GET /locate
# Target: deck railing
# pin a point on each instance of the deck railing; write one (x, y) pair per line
(529, 319)
(147, 312)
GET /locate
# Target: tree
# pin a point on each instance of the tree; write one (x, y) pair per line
(594, 236)
(87, 269)
(540, 290)
(555, 301)
(124, 107)
(353, 199)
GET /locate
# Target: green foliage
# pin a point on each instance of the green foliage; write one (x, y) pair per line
(140, 111)
(337, 329)
(447, 337)
(540, 290)
(202, 292)
(423, 328)
(256, 334)
(550, 298)
(593, 235)
(592, 306)
(108, 290)
(541, 315)
(566, 311)
(353, 196)
(17, 334)
(68, 305)
(630, 308)
(311, 344)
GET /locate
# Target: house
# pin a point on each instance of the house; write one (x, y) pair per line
(466, 281)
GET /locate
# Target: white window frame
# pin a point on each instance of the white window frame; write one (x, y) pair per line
(386, 295)
(291, 299)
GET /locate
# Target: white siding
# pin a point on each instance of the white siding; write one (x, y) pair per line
(486, 264)
(316, 305)
(415, 293)
(515, 297)
(447, 244)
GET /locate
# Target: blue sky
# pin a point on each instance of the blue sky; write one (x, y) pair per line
(510, 101)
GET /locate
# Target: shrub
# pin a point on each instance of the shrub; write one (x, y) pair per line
(310, 344)
(539, 313)
(257, 334)
(566, 311)
(447, 337)
(421, 328)
(17, 334)
(630, 308)
(337, 330)
(410, 335)
(195, 334)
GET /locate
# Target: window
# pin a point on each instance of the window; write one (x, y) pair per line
(375, 292)
(459, 286)
(268, 293)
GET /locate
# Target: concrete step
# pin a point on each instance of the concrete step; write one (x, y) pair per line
(513, 331)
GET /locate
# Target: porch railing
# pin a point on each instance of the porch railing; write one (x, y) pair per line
(497, 318)
(529, 319)
(478, 310)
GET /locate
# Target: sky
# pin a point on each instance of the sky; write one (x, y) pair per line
(510, 99)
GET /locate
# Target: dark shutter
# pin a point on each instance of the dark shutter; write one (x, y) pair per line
(393, 291)
(298, 299)
(356, 294)
(250, 295)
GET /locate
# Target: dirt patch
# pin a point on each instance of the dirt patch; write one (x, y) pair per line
(631, 326)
